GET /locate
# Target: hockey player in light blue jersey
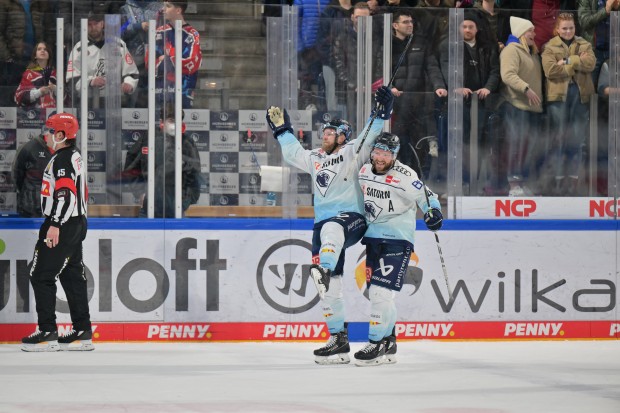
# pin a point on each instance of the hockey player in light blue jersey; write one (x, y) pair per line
(392, 193)
(338, 207)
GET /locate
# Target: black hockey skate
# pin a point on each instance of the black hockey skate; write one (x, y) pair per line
(371, 355)
(77, 341)
(41, 341)
(335, 351)
(390, 348)
(321, 277)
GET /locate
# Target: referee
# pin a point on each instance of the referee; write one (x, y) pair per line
(58, 252)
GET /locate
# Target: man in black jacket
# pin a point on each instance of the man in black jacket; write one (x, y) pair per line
(28, 167)
(481, 77)
(412, 120)
(136, 168)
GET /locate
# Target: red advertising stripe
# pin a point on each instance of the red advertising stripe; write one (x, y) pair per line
(459, 330)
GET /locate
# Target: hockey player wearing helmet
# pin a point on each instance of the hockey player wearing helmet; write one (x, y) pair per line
(338, 208)
(58, 251)
(392, 193)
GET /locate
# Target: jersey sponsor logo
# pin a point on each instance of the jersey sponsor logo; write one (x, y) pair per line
(376, 193)
(162, 331)
(294, 331)
(533, 329)
(372, 210)
(401, 170)
(392, 180)
(45, 188)
(417, 184)
(324, 179)
(333, 161)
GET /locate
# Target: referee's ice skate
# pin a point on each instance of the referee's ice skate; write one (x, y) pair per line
(371, 355)
(320, 276)
(335, 351)
(77, 341)
(41, 341)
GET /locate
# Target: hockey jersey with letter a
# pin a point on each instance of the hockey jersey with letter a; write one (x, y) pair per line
(63, 191)
(391, 201)
(332, 194)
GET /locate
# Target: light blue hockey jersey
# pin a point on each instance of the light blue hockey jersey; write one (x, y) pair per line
(391, 201)
(332, 194)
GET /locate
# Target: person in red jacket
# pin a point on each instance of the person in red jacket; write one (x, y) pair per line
(37, 88)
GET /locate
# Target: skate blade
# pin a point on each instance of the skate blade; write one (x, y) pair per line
(336, 359)
(320, 287)
(369, 363)
(83, 345)
(390, 359)
(41, 347)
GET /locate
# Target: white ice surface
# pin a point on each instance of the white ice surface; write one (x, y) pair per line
(430, 377)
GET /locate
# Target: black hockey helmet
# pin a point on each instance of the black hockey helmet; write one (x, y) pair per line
(341, 126)
(388, 142)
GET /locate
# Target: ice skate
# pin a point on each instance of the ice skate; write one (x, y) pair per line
(321, 277)
(390, 349)
(41, 341)
(335, 351)
(371, 355)
(77, 341)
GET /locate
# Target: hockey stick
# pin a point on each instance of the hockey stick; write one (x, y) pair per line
(401, 58)
(428, 202)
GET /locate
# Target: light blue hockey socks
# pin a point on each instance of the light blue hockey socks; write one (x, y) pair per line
(382, 313)
(333, 306)
(332, 242)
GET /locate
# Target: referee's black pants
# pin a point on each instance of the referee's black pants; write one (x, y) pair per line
(65, 263)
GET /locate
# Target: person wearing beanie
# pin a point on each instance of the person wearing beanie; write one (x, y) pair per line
(521, 73)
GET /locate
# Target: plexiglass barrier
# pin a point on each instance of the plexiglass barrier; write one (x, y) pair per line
(492, 133)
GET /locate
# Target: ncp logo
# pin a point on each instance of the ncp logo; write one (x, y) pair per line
(135, 114)
(31, 114)
(135, 136)
(253, 116)
(223, 179)
(196, 116)
(253, 179)
(224, 200)
(91, 136)
(2, 135)
(224, 158)
(223, 116)
(91, 115)
(516, 207)
(2, 114)
(327, 117)
(194, 137)
(223, 137)
(284, 281)
(413, 276)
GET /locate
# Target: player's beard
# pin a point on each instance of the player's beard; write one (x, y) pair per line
(382, 167)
